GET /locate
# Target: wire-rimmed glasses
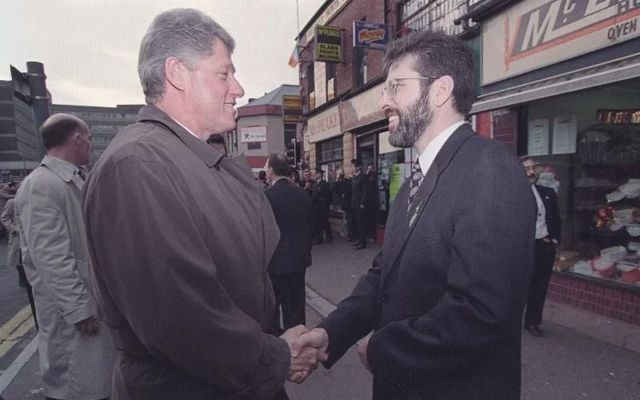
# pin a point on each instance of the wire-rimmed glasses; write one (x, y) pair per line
(391, 86)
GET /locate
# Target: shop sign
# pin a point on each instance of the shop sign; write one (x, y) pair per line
(291, 108)
(362, 109)
(332, 9)
(370, 35)
(324, 125)
(328, 44)
(537, 33)
(253, 134)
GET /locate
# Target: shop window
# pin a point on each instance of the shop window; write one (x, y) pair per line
(331, 81)
(359, 66)
(588, 147)
(311, 82)
(329, 155)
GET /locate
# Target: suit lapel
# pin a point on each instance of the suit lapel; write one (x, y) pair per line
(410, 218)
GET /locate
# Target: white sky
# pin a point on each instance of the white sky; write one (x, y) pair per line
(89, 48)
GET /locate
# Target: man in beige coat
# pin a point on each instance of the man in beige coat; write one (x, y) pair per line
(76, 354)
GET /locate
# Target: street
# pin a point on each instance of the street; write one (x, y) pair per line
(567, 364)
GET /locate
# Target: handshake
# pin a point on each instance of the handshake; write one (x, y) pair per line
(308, 348)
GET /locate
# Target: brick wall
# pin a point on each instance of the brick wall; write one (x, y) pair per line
(599, 298)
(372, 11)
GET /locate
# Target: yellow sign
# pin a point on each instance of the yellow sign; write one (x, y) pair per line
(328, 44)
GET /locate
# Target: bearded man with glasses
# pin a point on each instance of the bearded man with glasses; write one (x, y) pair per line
(440, 308)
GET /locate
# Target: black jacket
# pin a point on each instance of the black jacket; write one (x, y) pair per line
(342, 189)
(360, 192)
(445, 295)
(292, 209)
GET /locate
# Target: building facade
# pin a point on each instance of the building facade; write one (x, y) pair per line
(24, 105)
(104, 122)
(263, 127)
(560, 83)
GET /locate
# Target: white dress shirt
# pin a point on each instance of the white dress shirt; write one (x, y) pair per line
(541, 222)
(433, 148)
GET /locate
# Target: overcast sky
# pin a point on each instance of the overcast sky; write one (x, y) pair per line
(89, 48)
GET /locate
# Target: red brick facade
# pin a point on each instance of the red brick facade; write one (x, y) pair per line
(612, 302)
(372, 11)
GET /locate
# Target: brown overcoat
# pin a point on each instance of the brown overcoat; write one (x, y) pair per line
(181, 237)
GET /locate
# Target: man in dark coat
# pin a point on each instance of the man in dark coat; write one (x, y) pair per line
(292, 209)
(180, 236)
(548, 228)
(360, 194)
(342, 188)
(321, 198)
(444, 297)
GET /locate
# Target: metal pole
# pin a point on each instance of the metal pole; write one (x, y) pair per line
(295, 157)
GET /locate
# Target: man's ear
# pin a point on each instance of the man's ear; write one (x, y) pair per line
(442, 90)
(175, 73)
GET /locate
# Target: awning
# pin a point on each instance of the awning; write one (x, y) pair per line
(597, 75)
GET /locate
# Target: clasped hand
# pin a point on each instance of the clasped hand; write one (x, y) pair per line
(308, 348)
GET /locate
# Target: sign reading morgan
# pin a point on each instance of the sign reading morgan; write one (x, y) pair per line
(370, 35)
(537, 33)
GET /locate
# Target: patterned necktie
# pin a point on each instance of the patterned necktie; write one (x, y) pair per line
(416, 180)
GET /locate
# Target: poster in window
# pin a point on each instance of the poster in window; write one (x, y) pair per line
(538, 144)
(565, 130)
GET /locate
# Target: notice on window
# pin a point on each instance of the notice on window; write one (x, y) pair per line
(565, 130)
(538, 144)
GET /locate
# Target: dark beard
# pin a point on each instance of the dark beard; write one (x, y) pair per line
(411, 123)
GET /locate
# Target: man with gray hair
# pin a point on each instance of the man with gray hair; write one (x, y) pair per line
(181, 236)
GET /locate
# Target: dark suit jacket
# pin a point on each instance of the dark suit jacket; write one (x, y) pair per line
(292, 209)
(359, 190)
(445, 295)
(552, 212)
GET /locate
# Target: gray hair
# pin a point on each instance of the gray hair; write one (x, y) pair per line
(184, 33)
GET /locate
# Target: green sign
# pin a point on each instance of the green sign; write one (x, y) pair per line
(395, 180)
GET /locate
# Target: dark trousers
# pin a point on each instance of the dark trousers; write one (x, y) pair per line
(348, 216)
(321, 225)
(545, 255)
(359, 225)
(24, 282)
(289, 290)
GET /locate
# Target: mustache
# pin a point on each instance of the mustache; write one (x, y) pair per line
(391, 111)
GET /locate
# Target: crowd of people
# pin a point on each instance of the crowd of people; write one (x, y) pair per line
(168, 273)
(350, 197)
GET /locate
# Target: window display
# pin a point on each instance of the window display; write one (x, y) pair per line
(606, 203)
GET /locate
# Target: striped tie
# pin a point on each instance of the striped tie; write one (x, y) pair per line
(416, 180)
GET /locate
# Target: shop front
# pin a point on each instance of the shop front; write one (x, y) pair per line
(363, 120)
(568, 96)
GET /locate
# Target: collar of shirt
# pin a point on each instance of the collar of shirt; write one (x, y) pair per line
(278, 179)
(433, 148)
(64, 169)
(185, 128)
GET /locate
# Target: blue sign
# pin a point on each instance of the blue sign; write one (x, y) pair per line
(370, 35)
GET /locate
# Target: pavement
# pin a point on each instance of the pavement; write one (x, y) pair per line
(582, 356)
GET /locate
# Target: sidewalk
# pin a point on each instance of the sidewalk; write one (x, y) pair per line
(345, 266)
(582, 356)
